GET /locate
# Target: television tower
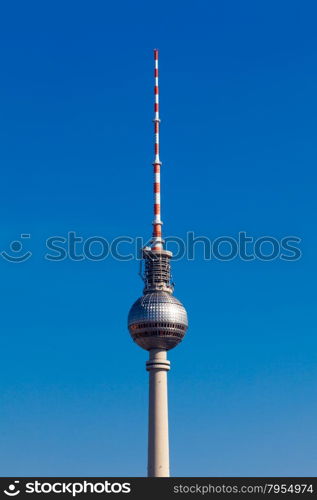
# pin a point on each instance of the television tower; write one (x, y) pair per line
(157, 321)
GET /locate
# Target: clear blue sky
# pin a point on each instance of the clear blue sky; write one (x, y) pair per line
(238, 107)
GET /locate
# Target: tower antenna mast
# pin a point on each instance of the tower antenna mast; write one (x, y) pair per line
(157, 242)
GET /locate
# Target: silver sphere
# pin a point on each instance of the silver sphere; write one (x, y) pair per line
(157, 320)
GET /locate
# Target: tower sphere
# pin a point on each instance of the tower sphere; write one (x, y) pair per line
(157, 320)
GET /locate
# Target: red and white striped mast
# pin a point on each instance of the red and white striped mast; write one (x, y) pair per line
(157, 242)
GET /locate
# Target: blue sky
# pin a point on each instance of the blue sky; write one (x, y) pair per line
(238, 145)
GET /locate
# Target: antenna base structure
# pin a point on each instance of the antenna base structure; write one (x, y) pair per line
(157, 272)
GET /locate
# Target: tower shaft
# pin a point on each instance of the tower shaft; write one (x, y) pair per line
(158, 442)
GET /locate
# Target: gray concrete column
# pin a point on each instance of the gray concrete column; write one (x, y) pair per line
(158, 446)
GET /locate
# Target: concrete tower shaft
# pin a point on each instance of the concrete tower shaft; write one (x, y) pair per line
(158, 445)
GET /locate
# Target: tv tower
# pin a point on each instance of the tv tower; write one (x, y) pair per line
(157, 321)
